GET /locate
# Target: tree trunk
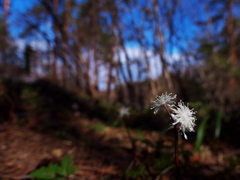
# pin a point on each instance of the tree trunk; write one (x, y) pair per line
(6, 8)
(161, 49)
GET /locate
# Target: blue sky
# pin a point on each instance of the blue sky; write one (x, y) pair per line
(186, 29)
(16, 8)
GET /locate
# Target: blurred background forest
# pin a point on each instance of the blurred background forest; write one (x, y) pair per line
(87, 59)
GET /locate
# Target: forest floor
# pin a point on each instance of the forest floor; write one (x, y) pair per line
(103, 152)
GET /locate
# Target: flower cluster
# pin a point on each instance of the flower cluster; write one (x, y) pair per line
(183, 117)
(164, 99)
(124, 111)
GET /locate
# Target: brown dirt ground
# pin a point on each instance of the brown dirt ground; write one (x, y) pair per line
(97, 154)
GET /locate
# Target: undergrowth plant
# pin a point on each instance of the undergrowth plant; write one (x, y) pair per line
(182, 119)
(124, 113)
(54, 171)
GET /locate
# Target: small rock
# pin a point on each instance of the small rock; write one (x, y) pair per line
(57, 153)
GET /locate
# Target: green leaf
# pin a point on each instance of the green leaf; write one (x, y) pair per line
(200, 134)
(66, 161)
(42, 173)
(71, 170)
(97, 127)
(62, 171)
(53, 168)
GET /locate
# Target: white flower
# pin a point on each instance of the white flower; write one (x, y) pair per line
(123, 112)
(164, 99)
(185, 117)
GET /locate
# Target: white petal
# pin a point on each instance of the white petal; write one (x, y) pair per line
(175, 123)
(185, 136)
(174, 117)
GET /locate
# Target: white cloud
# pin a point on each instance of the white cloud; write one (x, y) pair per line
(36, 45)
(135, 54)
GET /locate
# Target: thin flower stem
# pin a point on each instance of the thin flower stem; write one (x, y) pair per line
(176, 144)
(131, 141)
(164, 105)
